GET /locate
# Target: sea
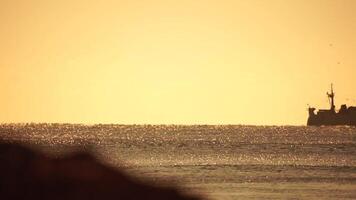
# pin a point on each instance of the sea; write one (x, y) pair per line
(214, 161)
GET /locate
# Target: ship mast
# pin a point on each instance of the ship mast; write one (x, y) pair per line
(331, 97)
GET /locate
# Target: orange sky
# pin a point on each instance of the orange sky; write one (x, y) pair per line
(182, 62)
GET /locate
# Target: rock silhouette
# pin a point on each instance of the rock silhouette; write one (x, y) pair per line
(26, 174)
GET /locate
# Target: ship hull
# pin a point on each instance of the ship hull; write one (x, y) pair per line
(332, 120)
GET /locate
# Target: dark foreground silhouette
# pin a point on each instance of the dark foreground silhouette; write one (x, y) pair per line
(26, 174)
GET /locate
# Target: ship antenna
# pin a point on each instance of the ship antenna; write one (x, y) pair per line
(331, 98)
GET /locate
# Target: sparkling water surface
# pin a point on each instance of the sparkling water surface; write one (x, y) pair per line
(218, 162)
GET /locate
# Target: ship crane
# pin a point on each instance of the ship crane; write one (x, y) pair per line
(331, 99)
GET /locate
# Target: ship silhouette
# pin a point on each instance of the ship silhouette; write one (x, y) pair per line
(329, 117)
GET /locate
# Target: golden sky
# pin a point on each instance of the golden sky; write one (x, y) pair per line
(181, 62)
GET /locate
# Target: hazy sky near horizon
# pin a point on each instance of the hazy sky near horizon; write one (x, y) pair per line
(182, 62)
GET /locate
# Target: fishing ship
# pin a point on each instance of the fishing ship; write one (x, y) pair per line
(331, 117)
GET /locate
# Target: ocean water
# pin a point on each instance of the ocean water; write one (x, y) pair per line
(217, 162)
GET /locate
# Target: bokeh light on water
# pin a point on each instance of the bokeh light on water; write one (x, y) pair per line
(225, 162)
